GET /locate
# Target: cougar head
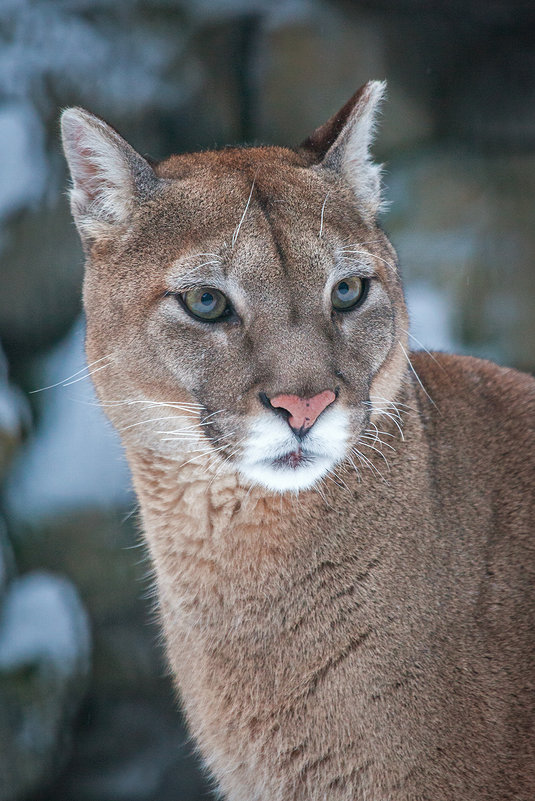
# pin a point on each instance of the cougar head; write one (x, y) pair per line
(243, 305)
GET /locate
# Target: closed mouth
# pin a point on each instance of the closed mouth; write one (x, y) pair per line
(275, 459)
(293, 459)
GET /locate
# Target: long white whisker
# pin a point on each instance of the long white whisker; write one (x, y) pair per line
(390, 408)
(213, 414)
(367, 445)
(317, 489)
(338, 479)
(91, 373)
(198, 456)
(394, 403)
(359, 455)
(355, 468)
(153, 404)
(177, 436)
(63, 380)
(424, 348)
(375, 439)
(378, 431)
(416, 375)
(370, 464)
(391, 417)
(191, 428)
(156, 420)
(203, 255)
(335, 480)
(227, 459)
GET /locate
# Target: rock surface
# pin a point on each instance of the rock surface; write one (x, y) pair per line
(44, 665)
(461, 224)
(7, 561)
(14, 416)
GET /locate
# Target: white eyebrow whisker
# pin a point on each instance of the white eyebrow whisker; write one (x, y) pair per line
(322, 213)
(343, 253)
(205, 263)
(237, 231)
(195, 276)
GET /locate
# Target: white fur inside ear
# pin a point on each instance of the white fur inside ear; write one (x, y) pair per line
(102, 179)
(351, 152)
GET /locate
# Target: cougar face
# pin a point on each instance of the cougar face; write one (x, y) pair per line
(252, 302)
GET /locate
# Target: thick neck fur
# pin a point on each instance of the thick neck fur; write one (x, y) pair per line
(264, 597)
(342, 638)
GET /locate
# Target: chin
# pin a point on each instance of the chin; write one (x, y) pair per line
(274, 458)
(286, 479)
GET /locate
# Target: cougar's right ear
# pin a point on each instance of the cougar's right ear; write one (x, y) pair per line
(108, 176)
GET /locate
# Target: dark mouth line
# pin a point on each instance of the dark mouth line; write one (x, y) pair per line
(293, 459)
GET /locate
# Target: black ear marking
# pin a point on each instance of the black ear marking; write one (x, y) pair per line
(342, 145)
(319, 142)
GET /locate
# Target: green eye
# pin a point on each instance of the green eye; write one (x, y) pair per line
(206, 303)
(347, 293)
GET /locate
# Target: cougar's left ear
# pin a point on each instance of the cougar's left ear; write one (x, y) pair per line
(343, 144)
(108, 176)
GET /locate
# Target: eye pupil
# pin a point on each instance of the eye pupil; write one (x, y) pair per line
(343, 288)
(207, 299)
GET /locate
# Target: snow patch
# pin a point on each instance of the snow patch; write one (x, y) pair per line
(74, 460)
(43, 621)
(23, 168)
(431, 318)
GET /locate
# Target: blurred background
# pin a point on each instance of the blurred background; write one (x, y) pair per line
(87, 712)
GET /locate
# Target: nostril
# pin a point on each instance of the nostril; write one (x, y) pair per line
(264, 400)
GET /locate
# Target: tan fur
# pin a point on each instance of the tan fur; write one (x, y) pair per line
(371, 637)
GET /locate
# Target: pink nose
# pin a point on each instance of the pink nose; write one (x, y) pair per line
(303, 411)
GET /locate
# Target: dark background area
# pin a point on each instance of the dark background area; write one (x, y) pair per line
(87, 712)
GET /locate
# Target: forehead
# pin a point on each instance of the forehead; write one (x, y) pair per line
(254, 209)
(214, 187)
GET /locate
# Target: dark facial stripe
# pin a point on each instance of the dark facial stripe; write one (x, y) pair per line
(264, 206)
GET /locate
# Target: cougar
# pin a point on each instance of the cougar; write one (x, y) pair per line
(341, 529)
